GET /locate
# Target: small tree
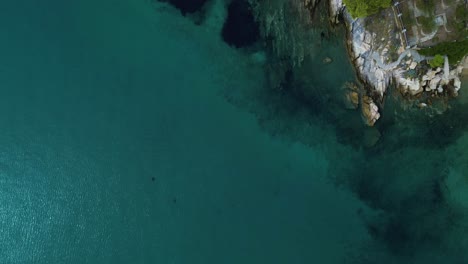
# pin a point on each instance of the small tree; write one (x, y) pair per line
(437, 61)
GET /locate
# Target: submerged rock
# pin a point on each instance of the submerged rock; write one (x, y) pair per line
(371, 136)
(352, 100)
(327, 60)
(422, 105)
(351, 95)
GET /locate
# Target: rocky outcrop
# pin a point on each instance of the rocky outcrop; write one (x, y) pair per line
(379, 55)
(370, 111)
(362, 47)
(433, 81)
(412, 85)
(336, 8)
(351, 95)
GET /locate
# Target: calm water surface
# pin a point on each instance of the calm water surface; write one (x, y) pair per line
(117, 147)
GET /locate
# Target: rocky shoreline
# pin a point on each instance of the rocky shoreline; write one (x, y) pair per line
(381, 61)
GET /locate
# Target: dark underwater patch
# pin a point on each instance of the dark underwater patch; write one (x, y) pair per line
(187, 6)
(240, 28)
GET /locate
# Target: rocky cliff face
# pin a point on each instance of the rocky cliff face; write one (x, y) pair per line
(336, 8)
(363, 51)
(362, 48)
(380, 59)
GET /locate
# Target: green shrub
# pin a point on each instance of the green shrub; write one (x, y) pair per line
(408, 17)
(437, 61)
(428, 23)
(454, 50)
(427, 6)
(460, 21)
(363, 8)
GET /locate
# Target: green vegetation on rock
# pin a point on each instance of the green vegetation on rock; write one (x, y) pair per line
(363, 8)
(408, 17)
(438, 61)
(428, 24)
(460, 23)
(427, 6)
(455, 51)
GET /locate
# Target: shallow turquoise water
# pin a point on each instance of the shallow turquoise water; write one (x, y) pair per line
(131, 135)
(99, 97)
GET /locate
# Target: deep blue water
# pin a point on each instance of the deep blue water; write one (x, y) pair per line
(122, 141)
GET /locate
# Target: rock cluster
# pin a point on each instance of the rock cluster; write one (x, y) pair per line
(364, 51)
(370, 111)
(434, 81)
(380, 59)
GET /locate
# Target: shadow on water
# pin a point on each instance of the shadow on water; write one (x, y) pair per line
(187, 7)
(240, 28)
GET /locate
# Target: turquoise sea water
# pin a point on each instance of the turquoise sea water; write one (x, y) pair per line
(131, 135)
(99, 97)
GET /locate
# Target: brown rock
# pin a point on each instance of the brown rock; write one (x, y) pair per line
(352, 100)
(351, 95)
(370, 111)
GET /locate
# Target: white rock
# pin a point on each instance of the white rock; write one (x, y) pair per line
(335, 8)
(413, 65)
(444, 81)
(412, 85)
(431, 74)
(457, 84)
(440, 89)
(434, 82)
(365, 62)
